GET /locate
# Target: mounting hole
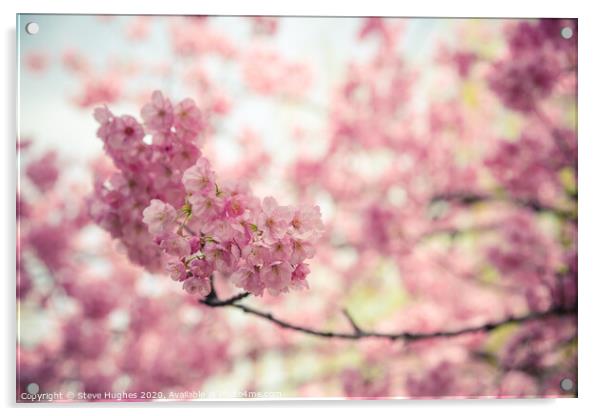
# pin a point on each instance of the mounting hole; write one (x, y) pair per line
(32, 28)
(566, 32)
(33, 388)
(567, 384)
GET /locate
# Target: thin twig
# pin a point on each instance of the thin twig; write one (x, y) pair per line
(474, 198)
(188, 229)
(355, 327)
(454, 232)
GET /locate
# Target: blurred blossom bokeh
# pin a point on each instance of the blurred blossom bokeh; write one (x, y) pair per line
(406, 188)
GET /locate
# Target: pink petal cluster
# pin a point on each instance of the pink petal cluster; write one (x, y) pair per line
(97, 90)
(259, 245)
(150, 159)
(521, 83)
(170, 212)
(532, 68)
(529, 166)
(44, 172)
(268, 73)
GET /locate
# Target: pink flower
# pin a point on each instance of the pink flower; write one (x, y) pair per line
(197, 286)
(107, 89)
(44, 172)
(223, 259)
(206, 207)
(175, 246)
(301, 250)
(103, 115)
(281, 249)
(201, 268)
(125, 131)
(195, 244)
(273, 220)
(221, 230)
(521, 83)
(248, 278)
(188, 117)
(277, 277)
(158, 115)
(307, 222)
(199, 178)
(176, 270)
(235, 206)
(298, 279)
(159, 217)
(256, 253)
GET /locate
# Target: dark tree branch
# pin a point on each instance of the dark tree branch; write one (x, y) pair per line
(214, 302)
(212, 299)
(474, 198)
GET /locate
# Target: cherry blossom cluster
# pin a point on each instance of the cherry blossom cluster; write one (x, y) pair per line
(146, 170)
(216, 227)
(538, 53)
(528, 167)
(225, 229)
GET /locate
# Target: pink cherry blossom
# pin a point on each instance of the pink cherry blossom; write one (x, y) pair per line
(206, 206)
(281, 250)
(301, 250)
(201, 268)
(273, 220)
(99, 90)
(277, 276)
(248, 278)
(299, 276)
(158, 115)
(44, 172)
(126, 131)
(187, 116)
(159, 216)
(521, 83)
(176, 270)
(197, 286)
(199, 179)
(306, 220)
(175, 245)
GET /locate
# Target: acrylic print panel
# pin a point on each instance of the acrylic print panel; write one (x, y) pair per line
(297, 207)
